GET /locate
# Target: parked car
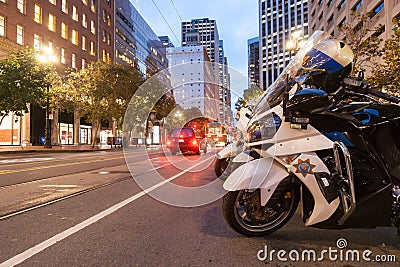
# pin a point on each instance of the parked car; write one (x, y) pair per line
(186, 140)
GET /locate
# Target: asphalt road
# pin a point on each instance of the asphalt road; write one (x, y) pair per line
(121, 225)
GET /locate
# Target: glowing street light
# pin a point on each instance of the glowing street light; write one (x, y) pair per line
(47, 57)
(294, 43)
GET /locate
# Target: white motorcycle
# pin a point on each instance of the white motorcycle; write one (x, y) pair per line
(332, 145)
(224, 156)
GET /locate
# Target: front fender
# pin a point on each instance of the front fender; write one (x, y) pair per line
(264, 173)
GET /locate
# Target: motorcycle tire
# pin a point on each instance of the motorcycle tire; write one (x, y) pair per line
(244, 225)
(220, 166)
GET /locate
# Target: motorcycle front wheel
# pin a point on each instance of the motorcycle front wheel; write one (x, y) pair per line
(243, 212)
(220, 166)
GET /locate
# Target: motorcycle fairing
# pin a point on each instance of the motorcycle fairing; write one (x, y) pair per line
(242, 157)
(230, 150)
(244, 114)
(293, 141)
(263, 173)
(304, 168)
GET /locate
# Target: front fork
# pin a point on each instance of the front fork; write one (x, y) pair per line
(347, 190)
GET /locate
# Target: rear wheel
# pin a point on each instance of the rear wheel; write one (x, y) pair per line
(243, 212)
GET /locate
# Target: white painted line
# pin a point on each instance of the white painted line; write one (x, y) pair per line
(61, 236)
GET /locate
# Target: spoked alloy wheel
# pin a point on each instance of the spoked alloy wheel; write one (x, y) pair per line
(243, 211)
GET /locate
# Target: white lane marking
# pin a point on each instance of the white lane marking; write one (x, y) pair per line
(61, 236)
(24, 160)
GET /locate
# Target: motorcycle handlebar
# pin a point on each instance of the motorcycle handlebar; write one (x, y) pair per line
(383, 95)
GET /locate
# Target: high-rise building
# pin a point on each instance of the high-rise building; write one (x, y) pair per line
(278, 20)
(204, 32)
(253, 64)
(225, 86)
(77, 32)
(136, 43)
(166, 41)
(330, 15)
(193, 80)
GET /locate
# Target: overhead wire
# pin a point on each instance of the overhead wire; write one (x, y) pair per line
(159, 11)
(176, 10)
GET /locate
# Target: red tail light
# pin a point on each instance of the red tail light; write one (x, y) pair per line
(194, 142)
(181, 136)
(168, 142)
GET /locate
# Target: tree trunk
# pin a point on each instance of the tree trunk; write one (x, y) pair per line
(96, 131)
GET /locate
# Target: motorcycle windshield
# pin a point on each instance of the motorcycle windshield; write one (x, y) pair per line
(274, 93)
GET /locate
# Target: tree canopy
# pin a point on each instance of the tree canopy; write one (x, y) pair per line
(23, 81)
(385, 75)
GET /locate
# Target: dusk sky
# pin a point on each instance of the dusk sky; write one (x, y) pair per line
(237, 21)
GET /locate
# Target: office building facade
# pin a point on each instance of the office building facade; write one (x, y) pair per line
(76, 32)
(253, 64)
(330, 15)
(136, 43)
(204, 32)
(278, 21)
(193, 80)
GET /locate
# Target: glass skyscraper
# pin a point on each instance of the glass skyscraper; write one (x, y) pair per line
(278, 20)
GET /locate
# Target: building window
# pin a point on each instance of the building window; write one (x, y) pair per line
(53, 2)
(92, 48)
(84, 2)
(64, 30)
(21, 6)
(37, 40)
(83, 42)
(341, 5)
(104, 56)
(63, 56)
(84, 20)
(20, 34)
(342, 23)
(83, 63)
(73, 61)
(64, 6)
(357, 6)
(51, 45)
(74, 13)
(104, 16)
(92, 6)
(377, 8)
(2, 26)
(52, 22)
(74, 37)
(92, 27)
(38, 14)
(109, 20)
(108, 38)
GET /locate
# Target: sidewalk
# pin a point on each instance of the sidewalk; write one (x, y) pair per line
(68, 148)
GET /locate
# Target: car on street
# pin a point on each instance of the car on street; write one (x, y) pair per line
(186, 139)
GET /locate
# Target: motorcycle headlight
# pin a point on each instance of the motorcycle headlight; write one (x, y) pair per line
(263, 128)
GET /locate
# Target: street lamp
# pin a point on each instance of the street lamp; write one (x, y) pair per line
(294, 43)
(47, 57)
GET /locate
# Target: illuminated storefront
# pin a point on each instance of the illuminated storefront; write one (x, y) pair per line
(10, 133)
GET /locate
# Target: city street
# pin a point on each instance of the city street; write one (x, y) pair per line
(113, 223)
